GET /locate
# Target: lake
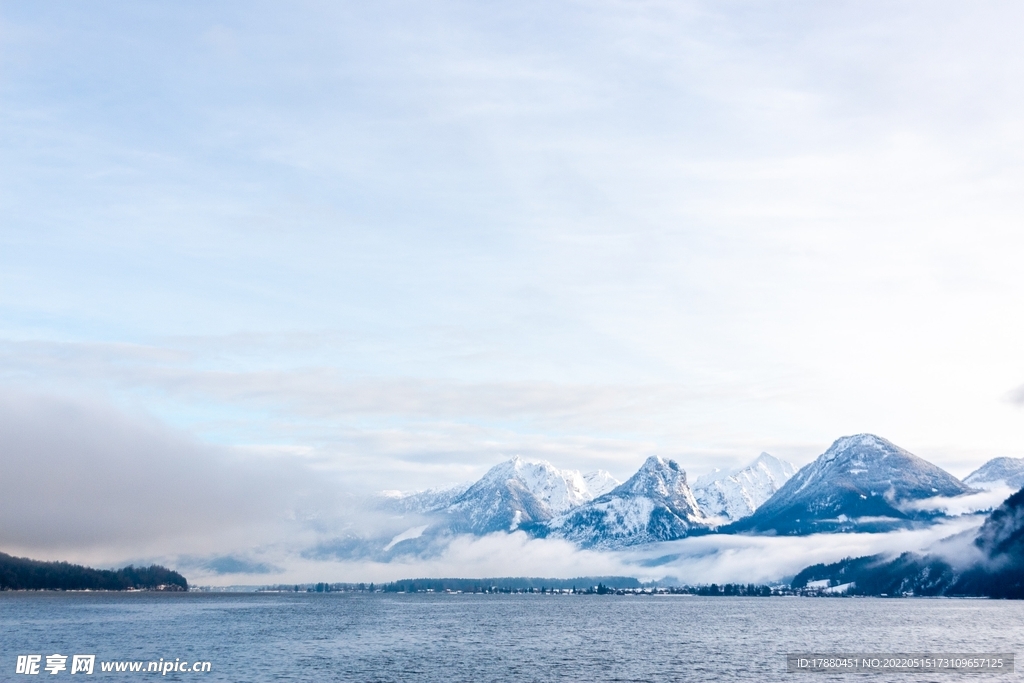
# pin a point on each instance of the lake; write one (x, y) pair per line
(466, 637)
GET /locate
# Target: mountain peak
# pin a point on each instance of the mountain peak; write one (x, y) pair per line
(858, 484)
(658, 462)
(731, 495)
(655, 504)
(657, 478)
(1006, 471)
(517, 492)
(773, 464)
(862, 444)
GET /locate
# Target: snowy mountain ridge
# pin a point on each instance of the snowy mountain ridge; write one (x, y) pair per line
(594, 509)
(727, 496)
(513, 494)
(418, 502)
(862, 483)
(655, 504)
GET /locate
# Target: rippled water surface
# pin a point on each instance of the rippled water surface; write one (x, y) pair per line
(436, 637)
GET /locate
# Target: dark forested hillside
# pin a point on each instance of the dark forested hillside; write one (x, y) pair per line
(996, 570)
(19, 573)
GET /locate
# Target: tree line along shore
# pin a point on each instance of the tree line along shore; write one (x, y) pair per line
(20, 573)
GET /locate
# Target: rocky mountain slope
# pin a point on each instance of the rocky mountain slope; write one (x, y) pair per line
(861, 483)
(655, 504)
(511, 495)
(515, 493)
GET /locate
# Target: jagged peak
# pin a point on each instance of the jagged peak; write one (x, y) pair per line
(657, 477)
(766, 463)
(767, 457)
(549, 487)
(661, 467)
(656, 462)
(776, 468)
(515, 465)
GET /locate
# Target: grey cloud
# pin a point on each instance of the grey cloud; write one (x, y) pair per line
(80, 476)
(233, 565)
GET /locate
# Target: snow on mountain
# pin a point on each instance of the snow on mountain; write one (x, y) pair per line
(998, 471)
(729, 496)
(517, 493)
(655, 504)
(861, 483)
(420, 502)
(600, 482)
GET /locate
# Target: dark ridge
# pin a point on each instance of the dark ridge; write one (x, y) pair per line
(999, 574)
(20, 573)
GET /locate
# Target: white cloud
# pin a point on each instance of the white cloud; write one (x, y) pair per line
(759, 559)
(984, 500)
(697, 560)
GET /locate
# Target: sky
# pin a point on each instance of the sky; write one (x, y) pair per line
(280, 257)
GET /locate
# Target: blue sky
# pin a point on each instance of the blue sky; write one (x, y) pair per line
(400, 242)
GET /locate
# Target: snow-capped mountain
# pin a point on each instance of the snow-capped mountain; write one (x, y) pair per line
(517, 493)
(511, 494)
(859, 484)
(655, 504)
(731, 495)
(1005, 471)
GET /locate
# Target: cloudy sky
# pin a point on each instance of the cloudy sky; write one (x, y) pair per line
(324, 249)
